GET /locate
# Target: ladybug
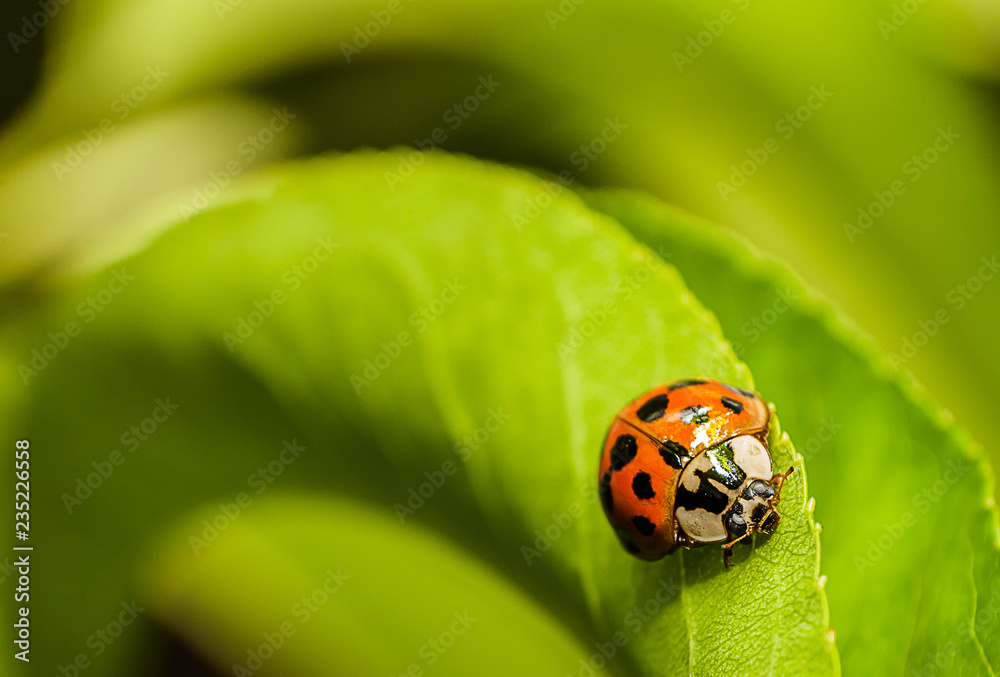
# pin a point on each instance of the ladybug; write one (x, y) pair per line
(687, 465)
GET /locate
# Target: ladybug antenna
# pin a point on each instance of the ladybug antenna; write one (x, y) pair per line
(778, 481)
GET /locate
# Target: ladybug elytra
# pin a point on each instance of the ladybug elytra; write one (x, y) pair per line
(687, 465)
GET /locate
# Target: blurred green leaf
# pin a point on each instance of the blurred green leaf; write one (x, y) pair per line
(400, 328)
(910, 538)
(337, 588)
(116, 195)
(692, 125)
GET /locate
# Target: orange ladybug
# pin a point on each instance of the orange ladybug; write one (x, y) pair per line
(687, 465)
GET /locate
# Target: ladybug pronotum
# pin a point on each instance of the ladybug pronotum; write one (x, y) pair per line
(687, 465)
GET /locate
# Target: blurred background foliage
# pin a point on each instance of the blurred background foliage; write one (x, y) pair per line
(688, 101)
(700, 87)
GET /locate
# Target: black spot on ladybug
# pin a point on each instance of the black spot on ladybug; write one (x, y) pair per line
(604, 491)
(694, 415)
(643, 525)
(732, 405)
(737, 508)
(642, 487)
(707, 497)
(741, 391)
(673, 453)
(757, 514)
(624, 451)
(685, 383)
(736, 525)
(654, 408)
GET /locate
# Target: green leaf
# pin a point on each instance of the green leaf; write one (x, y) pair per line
(910, 541)
(699, 119)
(340, 589)
(403, 330)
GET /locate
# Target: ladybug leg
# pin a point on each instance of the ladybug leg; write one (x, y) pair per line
(727, 548)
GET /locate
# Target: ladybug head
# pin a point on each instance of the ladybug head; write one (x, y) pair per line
(756, 510)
